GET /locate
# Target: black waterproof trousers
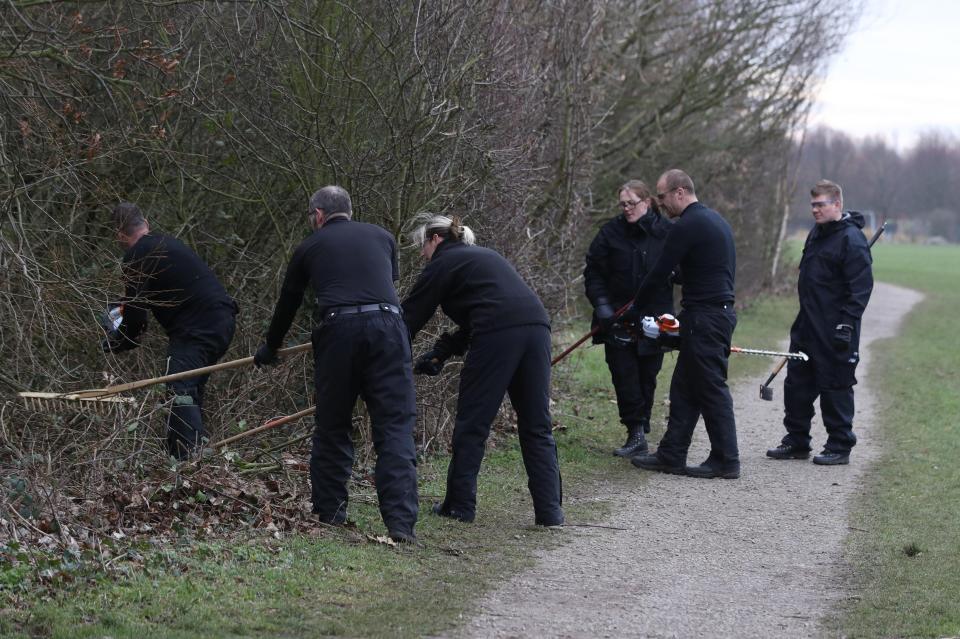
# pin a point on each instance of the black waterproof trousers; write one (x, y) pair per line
(203, 347)
(804, 383)
(514, 360)
(699, 387)
(364, 355)
(635, 382)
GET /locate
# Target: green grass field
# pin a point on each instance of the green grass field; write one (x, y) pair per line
(905, 546)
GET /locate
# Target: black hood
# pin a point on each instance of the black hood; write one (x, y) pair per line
(851, 218)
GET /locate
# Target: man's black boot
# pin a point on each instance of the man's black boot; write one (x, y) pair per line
(788, 451)
(706, 470)
(650, 461)
(636, 443)
(451, 513)
(185, 430)
(828, 458)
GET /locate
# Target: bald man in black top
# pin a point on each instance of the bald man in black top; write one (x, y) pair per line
(701, 244)
(360, 349)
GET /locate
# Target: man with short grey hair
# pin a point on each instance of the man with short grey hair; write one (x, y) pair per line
(361, 349)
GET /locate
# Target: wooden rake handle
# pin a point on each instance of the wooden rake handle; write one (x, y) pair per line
(143, 383)
(273, 423)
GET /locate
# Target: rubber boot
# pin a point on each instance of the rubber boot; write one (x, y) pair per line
(185, 431)
(636, 442)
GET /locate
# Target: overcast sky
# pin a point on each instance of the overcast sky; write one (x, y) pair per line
(899, 74)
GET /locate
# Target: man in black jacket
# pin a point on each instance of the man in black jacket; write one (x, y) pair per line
(836, 279)
(360, 349)
(622, 253)
(701, 243)
(164, 276)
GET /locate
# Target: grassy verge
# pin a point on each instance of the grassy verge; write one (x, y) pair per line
(905, 547)
(340, 583)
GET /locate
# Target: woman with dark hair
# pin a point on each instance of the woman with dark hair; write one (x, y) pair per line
(505, 332)
(625, 248)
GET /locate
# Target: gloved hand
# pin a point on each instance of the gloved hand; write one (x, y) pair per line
(110, 345)
(842, 336)
(115, 342)
(606, 317)
(430, 363)
(265, 356)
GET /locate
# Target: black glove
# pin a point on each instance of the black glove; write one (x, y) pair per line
(115, 342)
(265, 356)
(842, 336)
(430, 363)
(606, 317)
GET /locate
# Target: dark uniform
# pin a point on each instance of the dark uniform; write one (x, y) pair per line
(164, 276)
(618, 259)
(701, 243)
(360, 348)
(508, 333)
(835, 283)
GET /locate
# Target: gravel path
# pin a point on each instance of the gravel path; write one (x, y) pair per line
(754, 557)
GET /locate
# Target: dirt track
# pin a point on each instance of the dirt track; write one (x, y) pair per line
(754, 557)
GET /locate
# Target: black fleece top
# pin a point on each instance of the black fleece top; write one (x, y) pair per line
(701, 243)
(163, 275)
(346, 263)
(477, 288)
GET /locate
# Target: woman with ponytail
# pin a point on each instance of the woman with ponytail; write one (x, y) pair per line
(505, 332)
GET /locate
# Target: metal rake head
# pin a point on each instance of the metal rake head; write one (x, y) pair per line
(51, 402)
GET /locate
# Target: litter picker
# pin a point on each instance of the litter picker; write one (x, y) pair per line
(766, 393)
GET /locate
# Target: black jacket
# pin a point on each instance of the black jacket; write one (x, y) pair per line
(477, 288)
(166, 277)
(346, 263)
(701, 243)
(836, 279)
(618, 259)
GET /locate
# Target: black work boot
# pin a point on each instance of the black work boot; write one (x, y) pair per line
(788, 451)
(708, 470)
(451, 513)
(185, 430)
(830, 458)
(636, 443)
(650, 461)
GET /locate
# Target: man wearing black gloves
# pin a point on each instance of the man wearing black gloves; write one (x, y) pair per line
(360, 349)
(621, 254)
(164, 276)
(701, 243)
(507, 331)
(836, 279)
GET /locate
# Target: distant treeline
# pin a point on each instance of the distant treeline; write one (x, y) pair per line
(916, 191)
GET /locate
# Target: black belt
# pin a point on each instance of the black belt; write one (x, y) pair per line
(337, 311)
(707, 306)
